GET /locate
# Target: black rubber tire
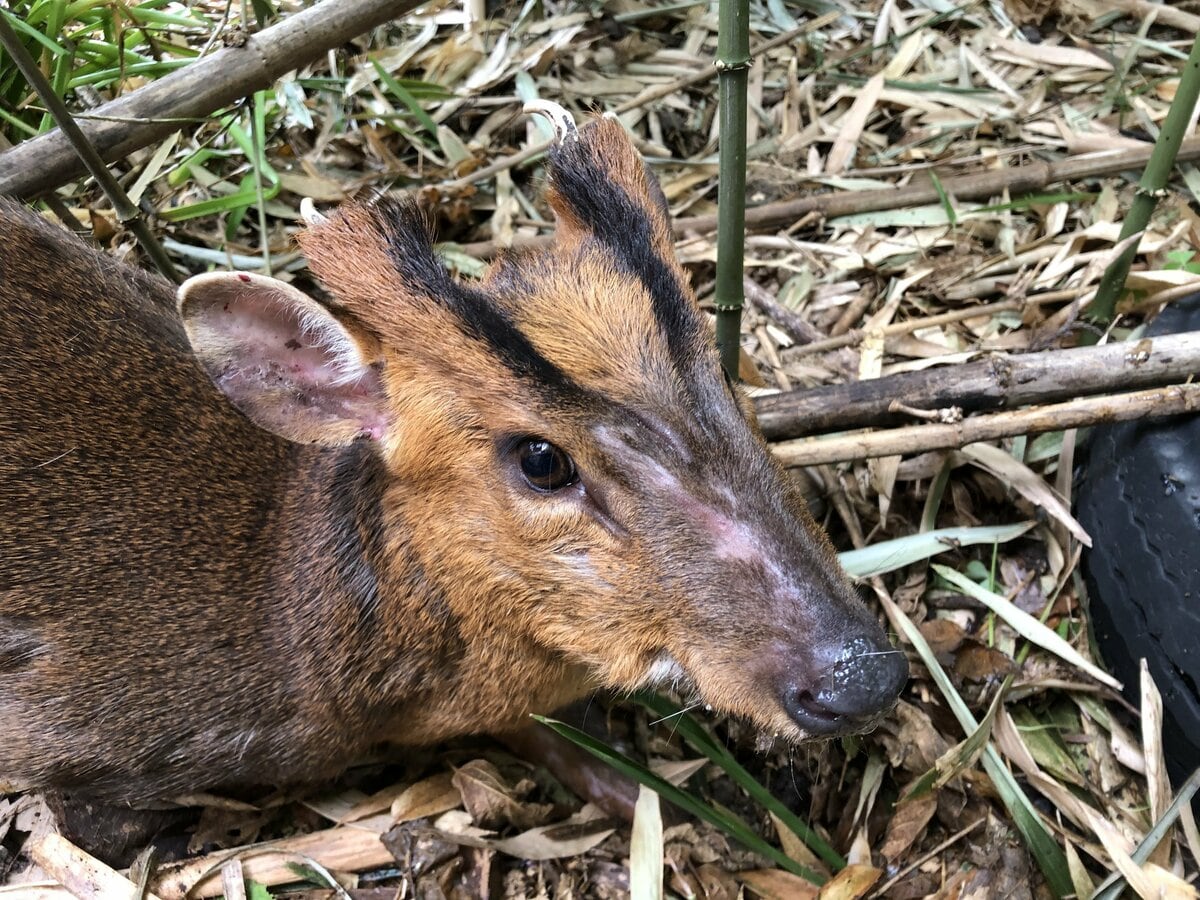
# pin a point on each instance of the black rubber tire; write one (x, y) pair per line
(1138, 496)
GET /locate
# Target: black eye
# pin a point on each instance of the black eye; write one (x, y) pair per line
(545, 467)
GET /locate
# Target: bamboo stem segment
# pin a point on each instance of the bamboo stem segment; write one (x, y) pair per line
(1153, 181)
(733, 69)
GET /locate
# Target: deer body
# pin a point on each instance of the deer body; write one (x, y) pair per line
(227, 578)
(420, 510)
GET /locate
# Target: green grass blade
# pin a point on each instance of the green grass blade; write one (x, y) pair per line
(1050, 857)
(404, 96)
(1025, 625)
(724, 820)
(702, 742)
(887, 556)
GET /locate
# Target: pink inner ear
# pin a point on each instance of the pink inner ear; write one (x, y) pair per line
(292, 340)
(283, 359)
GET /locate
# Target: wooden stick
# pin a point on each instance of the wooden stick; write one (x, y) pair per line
(83, 875)
(1032, 176)
(1001, 381)
(1168, 401)
(797, 327)
(1164, 14)
(854, 335)
(42, 890)
(150, 113)
(345, 848)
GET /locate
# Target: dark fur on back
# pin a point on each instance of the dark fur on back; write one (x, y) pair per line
(137, 518)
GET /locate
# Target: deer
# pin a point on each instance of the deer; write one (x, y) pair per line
(251, 535)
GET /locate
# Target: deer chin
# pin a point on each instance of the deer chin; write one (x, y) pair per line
(666, 673)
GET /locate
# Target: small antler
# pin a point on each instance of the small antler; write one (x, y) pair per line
(562, 121)
(308, 212)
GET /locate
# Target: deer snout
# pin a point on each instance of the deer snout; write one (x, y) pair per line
(855, 684)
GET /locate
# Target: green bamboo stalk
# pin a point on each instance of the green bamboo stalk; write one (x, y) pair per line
(733, 69)
(1154, 179)
(126, 211)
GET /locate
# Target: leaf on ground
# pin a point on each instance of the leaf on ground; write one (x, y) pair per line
(776, 884)
(576, 835)
(908, 823)
(1025, 482)
(852, 882)
(646, 847)
(492, 802)
(1026, 625)
(887, 556)
(429, 797)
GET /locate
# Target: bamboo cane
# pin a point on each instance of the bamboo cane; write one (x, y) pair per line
(733, 65)
(1153, 181)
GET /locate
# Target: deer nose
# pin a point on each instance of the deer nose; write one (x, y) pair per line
(849, 694)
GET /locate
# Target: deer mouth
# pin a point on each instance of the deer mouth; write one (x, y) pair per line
(850, 694)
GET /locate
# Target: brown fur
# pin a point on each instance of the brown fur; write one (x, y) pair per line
(188, 602)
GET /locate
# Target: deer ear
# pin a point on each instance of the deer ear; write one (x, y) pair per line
(599, 186)
(283, 359)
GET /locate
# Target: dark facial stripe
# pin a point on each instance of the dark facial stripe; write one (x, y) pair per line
(407, 238)
(624, 228)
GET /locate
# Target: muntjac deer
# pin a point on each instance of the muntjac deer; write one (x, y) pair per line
(249, 535)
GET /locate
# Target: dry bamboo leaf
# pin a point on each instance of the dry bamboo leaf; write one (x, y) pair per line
(1025, 482)
(1126, 748)
(1026, 625)
(1048, 56)
(572, 837)
(646, 847)
(852, 882)
(842, 153)
(1150, 882)
(677, 771)
(904, 56)
(776, 884)
(796, 849)
(1156, 765)
(434, 795)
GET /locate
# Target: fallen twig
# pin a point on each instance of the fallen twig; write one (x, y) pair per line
(345, 848)
(80, 873)
(1002, 381)
(792, 322)
(1021, 179)
(150, 113)
(1151, 404)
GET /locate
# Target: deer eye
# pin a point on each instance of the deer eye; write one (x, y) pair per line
(546, 467)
